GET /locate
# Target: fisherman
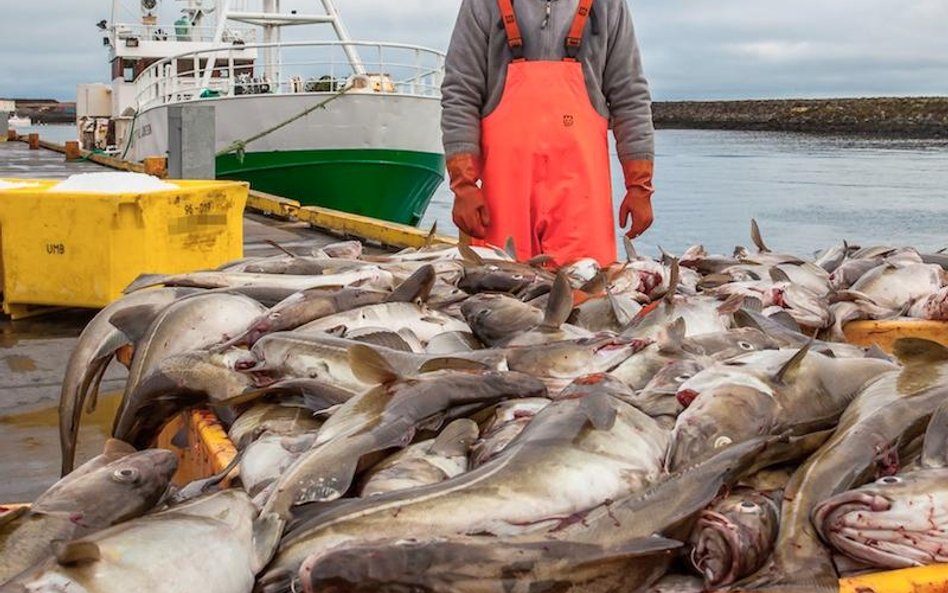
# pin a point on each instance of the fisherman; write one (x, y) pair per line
(528, 95)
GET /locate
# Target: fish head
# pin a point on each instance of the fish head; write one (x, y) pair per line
(893, 522)
(735, 535)
(121, 490)
(730, 343)
(490, 278)
(218, 374)
(569, 359)
(494, 317)
(719, 417)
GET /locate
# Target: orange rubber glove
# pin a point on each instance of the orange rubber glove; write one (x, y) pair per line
(638, 197)
(470, 208)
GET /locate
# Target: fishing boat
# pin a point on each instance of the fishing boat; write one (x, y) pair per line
(343, 124)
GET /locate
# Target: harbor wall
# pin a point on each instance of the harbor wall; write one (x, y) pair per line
(916, 117)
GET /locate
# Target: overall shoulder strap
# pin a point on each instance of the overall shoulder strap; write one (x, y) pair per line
(574, 39)
(509, 18)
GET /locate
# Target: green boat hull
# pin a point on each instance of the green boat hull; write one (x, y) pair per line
(393, 185)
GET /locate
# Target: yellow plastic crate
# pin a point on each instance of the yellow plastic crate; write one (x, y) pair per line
(83, 249)
(885, 333)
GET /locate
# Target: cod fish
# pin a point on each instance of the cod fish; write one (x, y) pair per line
(92, 354)
(891, 408)
(735, 535)
(214, 544)
(576, 454)
(762, 393)
(386, 417)
(422, 322)
(427, 462)
(87, 500)
(897, 521)
(610, 548)
(189, 324)
(316, 303)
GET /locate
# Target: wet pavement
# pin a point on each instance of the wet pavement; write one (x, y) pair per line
(34, 351)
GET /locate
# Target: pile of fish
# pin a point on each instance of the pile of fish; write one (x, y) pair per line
(450, 419)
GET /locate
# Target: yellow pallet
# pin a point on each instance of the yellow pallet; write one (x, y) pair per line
(83, 249)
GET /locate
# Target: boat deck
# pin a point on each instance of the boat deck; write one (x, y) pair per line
(34, 351)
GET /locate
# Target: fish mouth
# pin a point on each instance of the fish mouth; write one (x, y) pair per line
(717, 551)
(851, 523)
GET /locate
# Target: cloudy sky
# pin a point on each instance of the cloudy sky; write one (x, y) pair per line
(693, 49)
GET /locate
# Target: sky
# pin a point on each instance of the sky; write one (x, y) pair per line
(692, 49)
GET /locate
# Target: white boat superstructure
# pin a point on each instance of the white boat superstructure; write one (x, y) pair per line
(337, 113)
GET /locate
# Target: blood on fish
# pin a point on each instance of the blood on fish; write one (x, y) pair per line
(686, 396)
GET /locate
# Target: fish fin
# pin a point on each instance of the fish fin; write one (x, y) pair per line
(732, 304)
(600, 411)
(456, 438)
(430, 237)
(790, 368)
(875, 351)
(559, 305)
(279, 247)
(674, 279)
(146, 281)
(416, 288)
(75, 552)
(715, 280)
(135, 321)
(12, 515)
(785, 319)
(115, 447)
(379, 337)
(919, 351)
(667, 258)
(671, 338)
(630, 253)
(510, 248)
(752, 304)
(778, 275)
(469, 255)
(267, 530)
(598, 285)
(935, 449)
(452, 363)
(539, 260)
(370, 366)
(757, 239)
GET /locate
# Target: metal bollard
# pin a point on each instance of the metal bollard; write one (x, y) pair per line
(72, 150)
(34, 140)
(157, 166)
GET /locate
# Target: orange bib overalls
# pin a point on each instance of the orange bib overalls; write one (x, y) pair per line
(546, 158)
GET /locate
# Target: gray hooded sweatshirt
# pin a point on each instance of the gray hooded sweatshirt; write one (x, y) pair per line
(477, 59)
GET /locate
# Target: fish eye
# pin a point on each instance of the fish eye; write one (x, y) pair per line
(682, 378)
(745, 345)
(748, 506)
(126, 474)
(889, 480)
(722, 441)
(517, 276)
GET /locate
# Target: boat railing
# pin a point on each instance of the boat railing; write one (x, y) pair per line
(292, 68)
(182, 33)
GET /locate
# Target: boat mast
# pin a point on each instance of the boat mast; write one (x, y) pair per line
(343, 34)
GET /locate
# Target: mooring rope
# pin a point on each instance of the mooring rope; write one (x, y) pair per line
(239, 146)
